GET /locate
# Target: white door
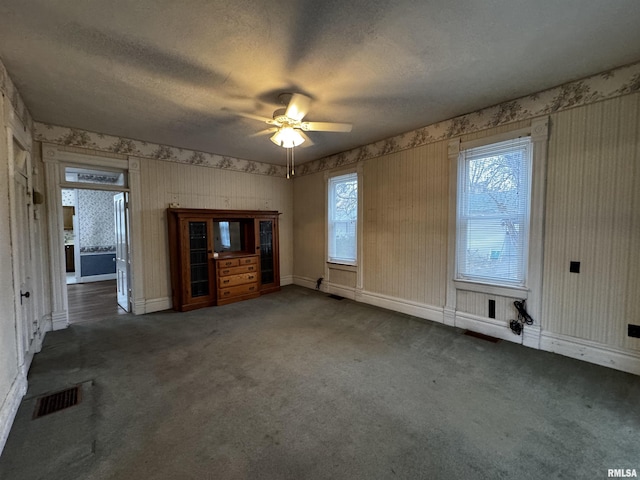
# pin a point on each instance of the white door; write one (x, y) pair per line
(122, 248)
(23, 269)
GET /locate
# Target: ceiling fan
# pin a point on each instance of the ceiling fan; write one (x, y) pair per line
(287, 128)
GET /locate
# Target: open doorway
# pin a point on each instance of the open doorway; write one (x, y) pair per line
(96, 243)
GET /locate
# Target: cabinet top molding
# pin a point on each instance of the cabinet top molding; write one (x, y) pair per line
(223, 213)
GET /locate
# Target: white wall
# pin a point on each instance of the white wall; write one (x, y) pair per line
(192, 186)
(593, 216)
(592, 205)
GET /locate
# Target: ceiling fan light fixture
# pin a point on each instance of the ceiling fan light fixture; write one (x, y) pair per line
(287, 137)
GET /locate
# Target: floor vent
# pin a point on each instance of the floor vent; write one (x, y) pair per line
(482, 336)
(336, 297)
(58, 401)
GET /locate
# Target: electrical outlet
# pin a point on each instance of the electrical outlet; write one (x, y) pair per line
(633, 330)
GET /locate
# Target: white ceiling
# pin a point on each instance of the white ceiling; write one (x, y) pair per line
(163, 70)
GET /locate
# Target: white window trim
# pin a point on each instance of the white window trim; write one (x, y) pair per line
(333, 261)
(330, 265)
(539, 132)
(461, 256)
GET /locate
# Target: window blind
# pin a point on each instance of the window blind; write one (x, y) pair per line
(343, 218)
(494, 190)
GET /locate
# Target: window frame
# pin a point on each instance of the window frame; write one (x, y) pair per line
(332, 181)
(473, 151)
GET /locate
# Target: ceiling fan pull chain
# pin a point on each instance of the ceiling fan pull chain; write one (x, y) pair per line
(293, 162)
(288, 162)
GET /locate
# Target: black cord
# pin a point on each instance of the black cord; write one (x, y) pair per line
(523, 317)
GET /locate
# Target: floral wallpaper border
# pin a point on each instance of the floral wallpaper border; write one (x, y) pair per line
(9, 90)
(609, 84)
(75, 137)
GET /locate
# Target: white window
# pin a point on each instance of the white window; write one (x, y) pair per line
(493, 207)
(343, 218)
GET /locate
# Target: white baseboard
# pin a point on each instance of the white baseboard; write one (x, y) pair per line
(531, 336)
(157, 304)
(486, 326)
(286, 280)
(591, 352)
(10, 406)
(46, 325)
(306, 282)
(420, 310)
(341, 290)
(138, 306)
(59, 320)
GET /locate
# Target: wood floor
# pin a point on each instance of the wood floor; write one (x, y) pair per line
(90, 302)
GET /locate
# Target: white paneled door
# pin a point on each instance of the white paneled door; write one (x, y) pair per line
(122, 248)
(24, 296)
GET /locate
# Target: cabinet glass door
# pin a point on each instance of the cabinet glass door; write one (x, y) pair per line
(267, 260)
(198, 259)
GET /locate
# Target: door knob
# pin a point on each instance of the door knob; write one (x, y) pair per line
(25, 294)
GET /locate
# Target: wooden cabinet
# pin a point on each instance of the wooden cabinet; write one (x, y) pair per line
(190, 244)
(246, 264)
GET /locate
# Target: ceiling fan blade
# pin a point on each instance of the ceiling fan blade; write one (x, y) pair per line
(298, 106)
(268, 120)
(307, 141)
(326, 127)
(264, 132)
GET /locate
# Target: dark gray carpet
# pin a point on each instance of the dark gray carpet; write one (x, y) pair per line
(296, 385)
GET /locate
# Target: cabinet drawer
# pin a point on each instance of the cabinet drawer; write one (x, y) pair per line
(231, 262)
(236, 291)
(223, 272)
(248, 260)
(239, 279)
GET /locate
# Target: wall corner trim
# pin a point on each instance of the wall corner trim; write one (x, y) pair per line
(10, 406)
(59, 320)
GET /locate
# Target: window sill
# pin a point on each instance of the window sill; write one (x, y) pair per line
(343, 266)
(500, 290)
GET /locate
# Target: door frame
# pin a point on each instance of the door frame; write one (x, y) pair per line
(56, 158)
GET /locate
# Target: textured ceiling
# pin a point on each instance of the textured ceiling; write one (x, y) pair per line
(163, 71)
